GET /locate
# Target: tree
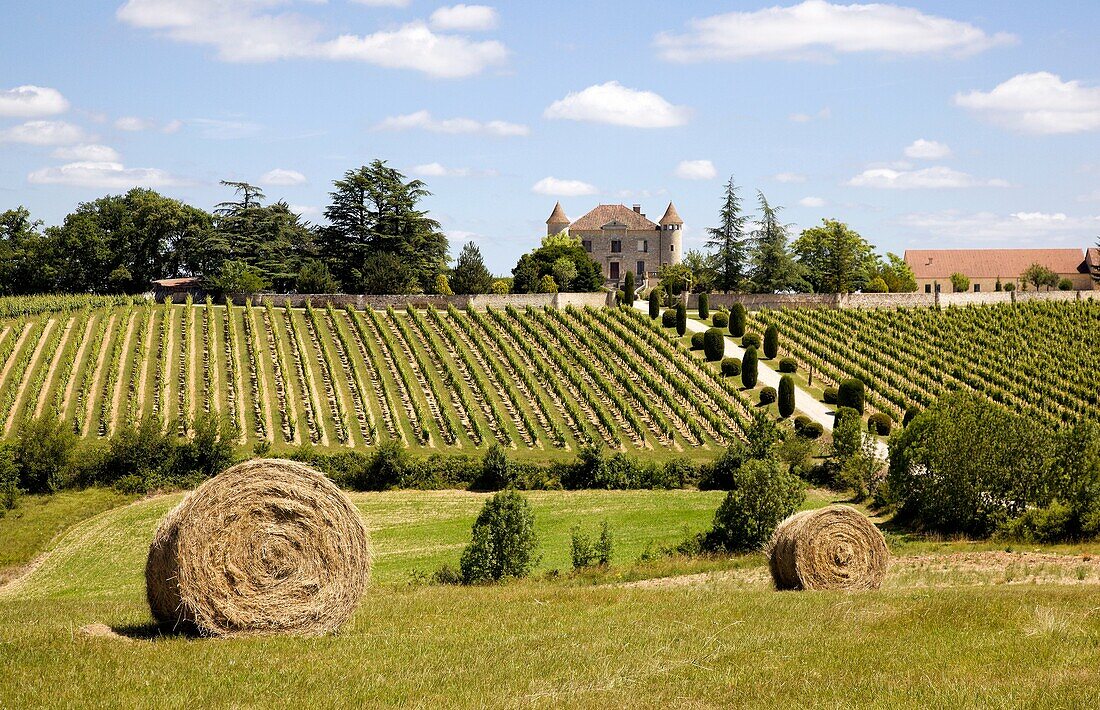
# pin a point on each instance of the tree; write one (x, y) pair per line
(628, 288)
(44, 454)
(503, 542)
(960, 283)
(771, 341)
(443, 285)
(470, 274)
(729, 242)
(681, 318)
(654, 304)
(386, 272)
(786, 396)
(704, 306)
(564, 271)
(674, 278)
(373, 211)
(738, 319)
(500, 287)
(271, 238)
(532, 267)
(27, 257)
(749, 368)
(714, 344)
(1038, 276)
(237, 277)
(835, 258)
(315, 277)
(774, 267)
(763, 493)
(701, 265)
(897, 274)
(547, 284)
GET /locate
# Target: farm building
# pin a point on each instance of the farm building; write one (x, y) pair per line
(933, 268)
(1092, 259)
(178, 289)
(623, 239)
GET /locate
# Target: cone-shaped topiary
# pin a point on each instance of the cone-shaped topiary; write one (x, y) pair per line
(628, 288)
(786, 396)
(714, 345)
(704, 306)
(749, 368)
(654, 304)
(771, 342)
(681, 318)
(738, 319)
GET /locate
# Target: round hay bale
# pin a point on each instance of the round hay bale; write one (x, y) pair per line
(835, 547)
(267, 546)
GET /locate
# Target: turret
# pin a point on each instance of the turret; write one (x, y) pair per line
(672, 235)
(558, 222)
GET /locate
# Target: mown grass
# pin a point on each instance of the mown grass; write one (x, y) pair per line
(928, 639)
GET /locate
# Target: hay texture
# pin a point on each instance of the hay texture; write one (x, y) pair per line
(268, 546)
(835, 547)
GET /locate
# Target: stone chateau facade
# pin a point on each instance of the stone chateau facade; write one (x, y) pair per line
(622, 239)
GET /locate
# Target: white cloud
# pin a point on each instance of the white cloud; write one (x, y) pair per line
(172, 126)
(31, 101)
(244, 32)
(927, 178)
(281, 176)
(618, 105)
(133, 123)
(922, 149)
(464, 18)
(563, 188)
(423, 120)
(219, 130)
(44, 133)
(812, 202)
(440, 170)
(696, 170)
(824, 115)
(109, 175)
(88, 152)
(789, 177)
(1030, 229)
(819, 30)
(1038, 103)
(305, 210)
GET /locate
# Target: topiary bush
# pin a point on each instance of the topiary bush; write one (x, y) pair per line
(704, 306)
(714, 344)
(830, 395)
(813, 430)
(851, 394)
(788, 365)
(681, 318)
(739, 318)
(771, 342)
(767, 395)
(786, 396)
(720, 320)
(800, 422)
(911, 413)
(763, 494)
(628, 288)
(749, 368)
(880, 423)
(750, 340)
(503, 543)
(668, 318)
(654, 303)
(731, 367)
(697, 341)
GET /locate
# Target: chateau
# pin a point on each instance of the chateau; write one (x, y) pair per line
(621, 239)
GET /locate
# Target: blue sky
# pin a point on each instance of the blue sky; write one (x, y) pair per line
(921, 124)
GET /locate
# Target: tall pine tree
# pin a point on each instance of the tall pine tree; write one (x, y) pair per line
(774, 267)
(729, 241)
(470, 274)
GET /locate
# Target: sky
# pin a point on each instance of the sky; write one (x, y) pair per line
(920, 124)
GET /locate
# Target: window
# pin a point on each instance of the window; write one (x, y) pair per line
(587, 244)
(977, 288)
(672, 247)
(641, 269)
(614, 268)
(616, 246)
(937, 288)
(928, 288)
(643, 246)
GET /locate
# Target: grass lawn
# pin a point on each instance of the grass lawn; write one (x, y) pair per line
(682, 633)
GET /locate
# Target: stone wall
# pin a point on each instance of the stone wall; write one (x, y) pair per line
(759, 301)
(479, 301)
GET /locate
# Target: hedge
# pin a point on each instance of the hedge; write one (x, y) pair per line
(768, 395)
(720, 320)
(697, 341)
(750, 340)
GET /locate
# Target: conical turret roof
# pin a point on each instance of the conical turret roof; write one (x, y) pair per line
(558, 215)
(671, 216)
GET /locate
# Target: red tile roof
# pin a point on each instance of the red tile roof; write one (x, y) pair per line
(558, 215)
(604, 214)
(991, 263)
(671, 216)
(1092, 258)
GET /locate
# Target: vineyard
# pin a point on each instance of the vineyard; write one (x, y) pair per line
(1036, 357)
(532, 380)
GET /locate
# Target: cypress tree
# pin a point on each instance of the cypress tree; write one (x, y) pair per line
(749, 368)
(628, 288)
(771, 342)
(681, 318)
(786, 396)
(654, 304)
(738, 320)
(704, 306)
(851, 395)
(714, 344)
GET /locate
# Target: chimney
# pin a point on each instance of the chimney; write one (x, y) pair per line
(638, 209)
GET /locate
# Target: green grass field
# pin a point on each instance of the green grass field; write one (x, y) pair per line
(956, 625)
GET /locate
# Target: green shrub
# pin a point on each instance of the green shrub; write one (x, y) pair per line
(830, 395)
(1065, 285)
(771, 342)
(9, 480)
(44, 454)
(880, 423)
(876, 285)
(497, 472)
(786, 396)
(714, 344)
(813, 430)
(731, 367)
(704, 306)
(503, 542)
(749, 368)
(681, 318)
(581, 549)
(697, 341)
(719, 474)
(800, 422)
(668, 318)
(654, 303)
(628, 288)
(767, 395)
(851, 394)
(750, 340)
(762, 495)
(788, 365)
(739, 318)
(910, 414)
(720, 320)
